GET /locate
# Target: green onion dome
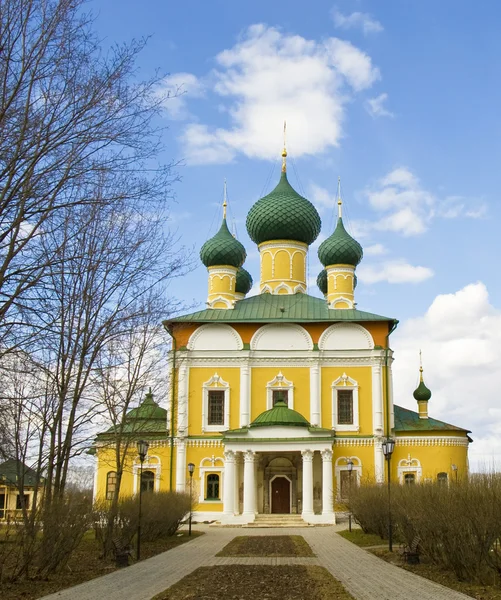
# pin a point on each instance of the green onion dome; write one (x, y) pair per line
(422, 392)
(223, 249)
(355, 281)
(322, 281)
(282, 415)
(244, 281)
(283, 215)
(340, 248)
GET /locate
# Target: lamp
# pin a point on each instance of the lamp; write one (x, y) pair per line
(349, 466)
(191, 470)
(142, 450)
(388, 447)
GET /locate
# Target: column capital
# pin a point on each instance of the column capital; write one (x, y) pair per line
(249, 456)
(326, 455)
(229, 456)
(307, 455)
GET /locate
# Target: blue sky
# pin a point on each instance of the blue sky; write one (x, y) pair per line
(399, 98)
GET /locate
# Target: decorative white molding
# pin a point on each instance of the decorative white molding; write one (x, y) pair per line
(229, 304)
(281, 336)
(279, 382)
(151, 462)
(346, 336)
(283, 286)
(315, 396)
(201, 443)
(245, 394)
(282, 245)
(215, 335)
(342, 465)
(215, 383)
(345, 383)
(213, 464)
(341, 300)
(409, 465)
(432, 441)
(359, 441)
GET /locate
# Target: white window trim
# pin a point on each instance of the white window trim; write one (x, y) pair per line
(148, 465)
(342, 383)
(342, 465)
(279, 382)
(409, 465)
(215, 383)
(211, 465)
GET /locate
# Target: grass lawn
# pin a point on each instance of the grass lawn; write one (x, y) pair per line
(358, 537)
(251, 582)
(85, 564)
(267, 545)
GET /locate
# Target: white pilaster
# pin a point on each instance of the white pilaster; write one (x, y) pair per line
(307, 484)
(379, 459)
(315, 406)
(327, 484)
(180, 466)
(229, 483)
(249, 486)
(390, 392)
(182, 400)
(377, 399)
(244, 395)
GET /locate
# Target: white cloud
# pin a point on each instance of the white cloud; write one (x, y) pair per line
(460, 336)
(269, 77)
(375, 106)
(375, 250)
(357, 20)
(176, 89)
(321, 197)
(393, 271)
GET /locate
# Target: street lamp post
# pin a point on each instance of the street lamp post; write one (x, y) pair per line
(388, 447)
(142, 450)
(455, 469)
(191, 469)
(349, 466)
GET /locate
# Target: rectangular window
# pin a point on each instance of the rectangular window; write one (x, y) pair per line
(345, 407)
(280, 396)
(216, 408)
(19, 505)
(111, 485)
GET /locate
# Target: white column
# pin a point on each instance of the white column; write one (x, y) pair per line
(327, 485)
(182, 401)
(307, 483)
(378, 459)
(249, 486)
(390, 391)
(229, 483)
(315, 405)
(180, 466)
(377, 399)
(244, 395)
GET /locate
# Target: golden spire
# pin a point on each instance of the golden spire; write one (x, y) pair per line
(420, 366)
(225, 203)
(284, 151)
(339, 201)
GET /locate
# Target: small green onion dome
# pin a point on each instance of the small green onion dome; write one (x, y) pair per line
(422, 392)
(244, 281)
(223, 249)
(340, 248)
(322, 281)
(283, 215)
(282, 415)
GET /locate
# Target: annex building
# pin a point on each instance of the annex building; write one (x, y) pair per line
(277, 396)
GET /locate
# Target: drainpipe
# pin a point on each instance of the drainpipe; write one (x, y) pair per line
(168, 328)
(387, 378)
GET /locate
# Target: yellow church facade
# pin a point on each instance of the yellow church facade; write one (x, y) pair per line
(277, 395)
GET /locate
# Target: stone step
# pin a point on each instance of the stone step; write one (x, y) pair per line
(276, 520)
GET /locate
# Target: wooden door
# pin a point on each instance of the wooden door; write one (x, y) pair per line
(280, 495)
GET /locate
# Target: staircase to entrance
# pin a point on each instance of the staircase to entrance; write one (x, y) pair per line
(277, 520)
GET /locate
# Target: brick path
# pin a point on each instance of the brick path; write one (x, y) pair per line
(365, 576)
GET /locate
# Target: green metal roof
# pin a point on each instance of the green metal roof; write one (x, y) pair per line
(340, 248)
(286, 308)
(12, 468)
(283, 215)
(223, 249)
(280, 415)
(408, 420)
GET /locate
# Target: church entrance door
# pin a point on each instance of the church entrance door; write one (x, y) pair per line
(280, 495)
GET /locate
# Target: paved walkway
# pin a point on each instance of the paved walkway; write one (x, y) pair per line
(365, 576)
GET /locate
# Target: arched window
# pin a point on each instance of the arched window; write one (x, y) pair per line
(111, 484)
(147, 481)
(442, 478)
(212, 487)
(409, 479)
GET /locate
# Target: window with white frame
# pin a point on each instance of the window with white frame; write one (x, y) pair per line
(345, 404)
(279, 388)
(216, 404)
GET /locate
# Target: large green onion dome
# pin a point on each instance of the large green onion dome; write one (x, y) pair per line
(322, 281)
(340, 248)
(422, 392)
(283, 215)
(280, 415)
(223, 249)
(244, 281)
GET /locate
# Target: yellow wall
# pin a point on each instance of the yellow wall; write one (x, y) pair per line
(300, 377)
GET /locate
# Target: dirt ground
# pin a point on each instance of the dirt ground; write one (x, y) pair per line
(270, 545)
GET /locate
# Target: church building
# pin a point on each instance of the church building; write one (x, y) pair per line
(281, 400)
